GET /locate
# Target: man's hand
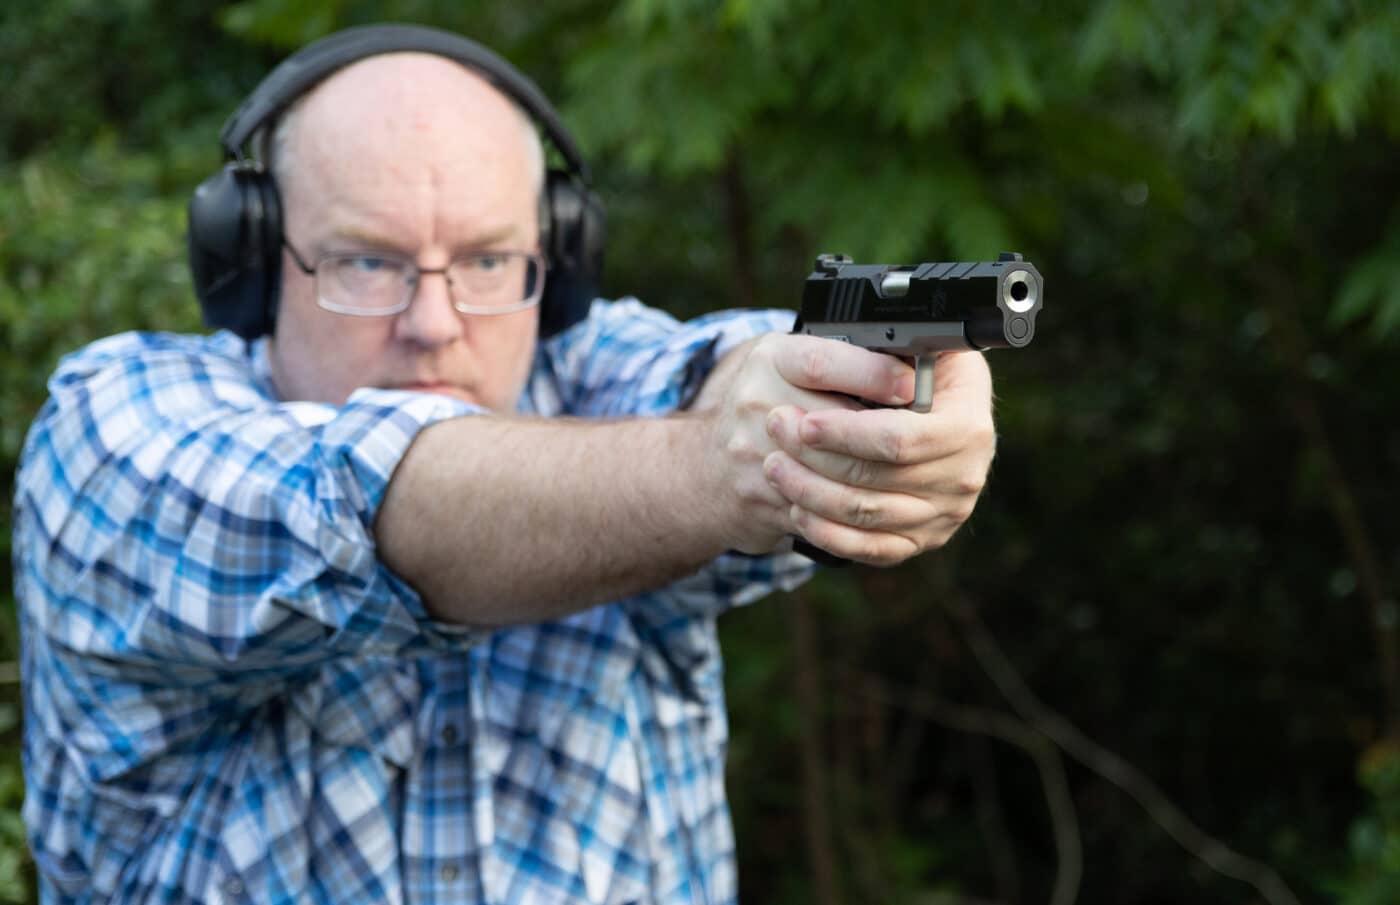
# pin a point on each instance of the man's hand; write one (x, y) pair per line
(881, 485)
(781, 372)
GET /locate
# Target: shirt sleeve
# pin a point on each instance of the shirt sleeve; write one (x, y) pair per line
(627, 359)
(630, 360)
(174, 522)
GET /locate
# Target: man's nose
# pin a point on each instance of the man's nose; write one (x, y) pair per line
(430, 319)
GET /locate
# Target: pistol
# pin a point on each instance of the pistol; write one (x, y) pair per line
(918, 310)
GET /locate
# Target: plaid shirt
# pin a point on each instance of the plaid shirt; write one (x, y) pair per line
(230, 699)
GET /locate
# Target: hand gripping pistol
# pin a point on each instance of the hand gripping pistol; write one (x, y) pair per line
(918, 310)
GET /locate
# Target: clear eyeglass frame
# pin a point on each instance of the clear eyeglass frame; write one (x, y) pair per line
(391, 274)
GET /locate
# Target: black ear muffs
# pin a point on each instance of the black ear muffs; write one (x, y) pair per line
(573, 242)
(235, 247)
(235, 216)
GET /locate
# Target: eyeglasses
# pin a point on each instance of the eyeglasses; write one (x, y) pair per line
(372, 285)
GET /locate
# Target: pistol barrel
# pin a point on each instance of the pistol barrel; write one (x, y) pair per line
(922, 308)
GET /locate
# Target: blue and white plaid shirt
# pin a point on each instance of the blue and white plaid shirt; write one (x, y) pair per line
(230, 699)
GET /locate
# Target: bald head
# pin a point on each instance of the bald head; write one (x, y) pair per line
(403, 98)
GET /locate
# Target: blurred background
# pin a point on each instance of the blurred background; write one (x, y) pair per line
(1160, 664)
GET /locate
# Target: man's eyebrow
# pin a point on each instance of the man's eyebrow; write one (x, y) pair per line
(491, 237)
(356, 237)
(373, 240)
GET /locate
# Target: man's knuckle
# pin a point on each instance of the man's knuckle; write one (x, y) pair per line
(749, 402)
(813, 366)
(852, 471)
(971, 482)
(863, 512)
(893, 446)
(802, 493)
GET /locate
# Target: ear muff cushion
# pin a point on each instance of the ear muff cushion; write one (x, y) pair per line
(574, 239)
(235, 253)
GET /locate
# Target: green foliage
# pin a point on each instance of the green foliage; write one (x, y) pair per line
(1164, 547)
(16, 882)
(771, 82)
(88, 240)
(281, 23)
(1375, 839)
(1372, 288)
(78, 67)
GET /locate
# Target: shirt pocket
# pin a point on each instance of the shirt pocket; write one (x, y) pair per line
(368, 703)
(319, 786)
(568, 788)
(105, 853)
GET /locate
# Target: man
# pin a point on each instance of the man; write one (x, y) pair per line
(356, 614)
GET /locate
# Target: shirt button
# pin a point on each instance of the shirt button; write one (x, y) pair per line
(449, 734)
(234, 887)
(448, 873)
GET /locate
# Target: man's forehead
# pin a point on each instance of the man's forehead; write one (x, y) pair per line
(393, 112)
(405, 81)
(409, 134)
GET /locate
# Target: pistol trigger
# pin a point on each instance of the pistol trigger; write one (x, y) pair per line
(923, 383)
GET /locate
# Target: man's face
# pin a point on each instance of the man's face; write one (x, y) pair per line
(415, 155)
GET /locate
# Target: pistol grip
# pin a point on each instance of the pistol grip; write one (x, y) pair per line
(923, 402)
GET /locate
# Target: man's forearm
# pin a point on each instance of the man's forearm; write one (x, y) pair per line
(509, 520)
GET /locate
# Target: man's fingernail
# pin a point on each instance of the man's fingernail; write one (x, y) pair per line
(775, 420)
(904, 388)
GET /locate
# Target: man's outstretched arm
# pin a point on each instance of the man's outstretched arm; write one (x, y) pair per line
(510, 520)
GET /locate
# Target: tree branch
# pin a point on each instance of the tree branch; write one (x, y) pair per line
(991, 820)
(1063, 818)
(1206, 848)
(1292, 343)
(807, 677)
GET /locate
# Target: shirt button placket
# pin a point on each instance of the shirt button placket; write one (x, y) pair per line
(449, 873)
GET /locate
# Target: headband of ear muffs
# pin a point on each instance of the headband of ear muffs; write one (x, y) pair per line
(235, 216)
